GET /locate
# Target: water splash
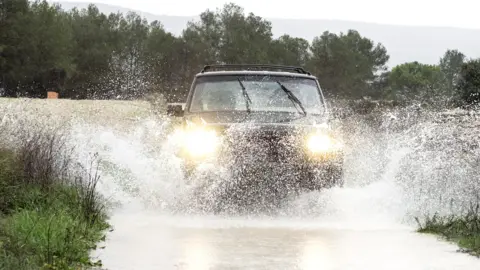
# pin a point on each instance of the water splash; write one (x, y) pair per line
(399, 164)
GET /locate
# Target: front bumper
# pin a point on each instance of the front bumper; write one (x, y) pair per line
(271, 147)
(263, 175)
(265, 159)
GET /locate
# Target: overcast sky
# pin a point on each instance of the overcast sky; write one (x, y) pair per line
(456, 13)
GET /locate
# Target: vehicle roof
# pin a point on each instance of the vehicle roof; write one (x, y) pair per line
(254, 72)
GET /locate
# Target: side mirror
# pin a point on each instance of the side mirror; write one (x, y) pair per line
(175, 110)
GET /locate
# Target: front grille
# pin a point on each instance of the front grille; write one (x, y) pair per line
(263, 145)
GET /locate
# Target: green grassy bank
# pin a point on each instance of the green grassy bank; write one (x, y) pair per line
(51, 216)
(463, 229)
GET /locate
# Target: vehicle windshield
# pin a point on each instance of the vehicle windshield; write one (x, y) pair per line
(224, 93)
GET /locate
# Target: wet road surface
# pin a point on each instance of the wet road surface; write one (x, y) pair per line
(150, 241)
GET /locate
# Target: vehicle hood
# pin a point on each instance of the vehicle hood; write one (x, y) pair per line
(256, 118)
(270, 122)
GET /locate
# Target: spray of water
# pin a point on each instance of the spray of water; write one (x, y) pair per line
(406, 164)
(399, 164)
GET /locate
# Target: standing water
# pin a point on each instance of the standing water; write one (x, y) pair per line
(398, 168)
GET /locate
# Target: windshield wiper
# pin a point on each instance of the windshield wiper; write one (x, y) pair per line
(293, 98)
(248, 101)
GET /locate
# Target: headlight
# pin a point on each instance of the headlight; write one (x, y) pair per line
(318, 143)
(200, 142)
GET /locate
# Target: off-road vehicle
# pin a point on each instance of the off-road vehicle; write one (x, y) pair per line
(257, 119)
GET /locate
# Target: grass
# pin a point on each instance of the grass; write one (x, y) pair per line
(461, 229)
(51, 215)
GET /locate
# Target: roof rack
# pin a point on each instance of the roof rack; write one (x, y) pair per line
(255, 66)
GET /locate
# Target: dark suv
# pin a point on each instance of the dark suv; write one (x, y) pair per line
(256, 120)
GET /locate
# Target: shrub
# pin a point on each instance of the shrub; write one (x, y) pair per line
(51, 215)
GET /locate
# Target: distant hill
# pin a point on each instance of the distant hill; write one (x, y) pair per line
(425, 44)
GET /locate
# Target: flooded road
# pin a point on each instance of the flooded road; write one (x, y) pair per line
(151, 241)
(392, 174)
(368, 224)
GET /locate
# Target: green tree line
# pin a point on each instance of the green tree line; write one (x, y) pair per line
(85, 54)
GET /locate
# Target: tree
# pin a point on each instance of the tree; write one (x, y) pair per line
(35, 40)
(95, 39)
(50, 40)
(245, 39)
(469, 83)
(228, 36)
(12, 34)
(451, 65)
(415, 80)
(165, 62)
(289, 50)
(130, 57)
(347, 64)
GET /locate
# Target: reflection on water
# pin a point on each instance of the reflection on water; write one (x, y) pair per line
(161, 242)
(315, 255)
(198, 253)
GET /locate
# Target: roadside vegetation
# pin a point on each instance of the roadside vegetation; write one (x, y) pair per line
(463, 229)
(51, 216)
